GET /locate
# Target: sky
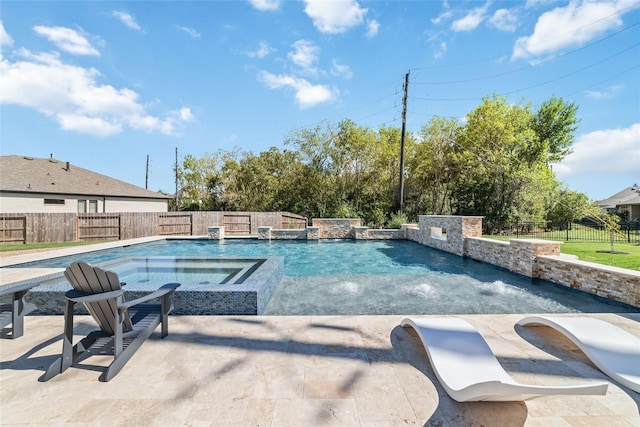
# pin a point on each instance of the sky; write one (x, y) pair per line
(106, 85)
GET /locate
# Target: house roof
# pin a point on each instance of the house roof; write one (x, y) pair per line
(23, 174)
(628, 196)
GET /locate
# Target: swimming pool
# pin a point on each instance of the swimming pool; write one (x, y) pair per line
(349, 277)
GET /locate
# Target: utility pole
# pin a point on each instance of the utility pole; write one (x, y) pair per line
(404, 124)
(146, 177)
(177, 179)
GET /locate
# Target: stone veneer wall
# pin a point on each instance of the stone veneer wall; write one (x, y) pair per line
(332, 228)
(496, 252)
(268, 233)
(365, 233)
(524, 253)
(454, 231)
(617, 284)
(530, 257)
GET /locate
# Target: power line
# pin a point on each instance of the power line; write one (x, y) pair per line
(538, 84)
(489, 58)
(555, 58)
(605, 80)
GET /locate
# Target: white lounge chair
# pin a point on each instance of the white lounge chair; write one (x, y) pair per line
(468, 370)
(613, 350)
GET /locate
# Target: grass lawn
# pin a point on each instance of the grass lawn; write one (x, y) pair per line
(32, 246)
(589, 251)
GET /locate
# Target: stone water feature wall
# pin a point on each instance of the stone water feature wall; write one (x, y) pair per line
(462, 235)
(530, 257)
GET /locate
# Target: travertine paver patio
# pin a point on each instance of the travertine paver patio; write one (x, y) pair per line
(298, 371)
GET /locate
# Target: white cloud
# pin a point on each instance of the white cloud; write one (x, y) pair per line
(445, 15)
(265, 4)
(5, 38)
(341, 70)
(68, 40)
(608, 94)
(571, 25)
(90, 125)
(305, 56)
(442, 17)
(471, 20)
(372, 29)
(190, 30)
(307, 95)
(604, 151)
(126, 19)
(504, 20)
(74, 98)
(442, 49)
(334, 17)
(263, 50)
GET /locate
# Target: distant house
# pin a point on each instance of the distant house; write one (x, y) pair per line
(627, 200)
(30, 185)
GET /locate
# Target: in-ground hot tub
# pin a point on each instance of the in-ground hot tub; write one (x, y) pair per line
(209, 286)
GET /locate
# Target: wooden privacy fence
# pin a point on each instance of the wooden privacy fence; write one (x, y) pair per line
(14, 229)
(175, 225)
(70, 227)
(236, 224)
(98, 226)
(293, 222)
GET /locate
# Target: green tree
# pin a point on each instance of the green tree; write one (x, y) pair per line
(566, 206)
(554, 124)
(492, 155)
(432, 167)
(194, 176)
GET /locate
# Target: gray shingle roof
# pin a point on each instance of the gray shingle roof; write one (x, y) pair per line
(32, 175)
(628, 196)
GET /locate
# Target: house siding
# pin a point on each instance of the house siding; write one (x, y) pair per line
(20, 203)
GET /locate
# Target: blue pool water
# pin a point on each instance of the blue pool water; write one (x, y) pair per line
(351, 277)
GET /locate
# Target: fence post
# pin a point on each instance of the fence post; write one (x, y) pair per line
(628, 232)
(567, 231)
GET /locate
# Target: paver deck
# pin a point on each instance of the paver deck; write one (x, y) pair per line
(298, 371)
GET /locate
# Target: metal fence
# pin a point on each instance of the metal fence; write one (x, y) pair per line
(584, 230)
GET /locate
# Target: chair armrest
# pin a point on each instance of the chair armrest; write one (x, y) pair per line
(14, 289)
(76, 296)
(162, 291)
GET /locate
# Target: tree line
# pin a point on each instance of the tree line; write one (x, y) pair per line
(496, 162)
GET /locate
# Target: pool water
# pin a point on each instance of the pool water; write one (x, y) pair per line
(349, 277)
(187, 271)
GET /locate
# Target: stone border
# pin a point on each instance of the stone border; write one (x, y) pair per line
(462, 236)
(248, 296)
(535, 258)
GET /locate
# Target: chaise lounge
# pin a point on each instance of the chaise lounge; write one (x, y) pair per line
(613, 350)
(468, 370)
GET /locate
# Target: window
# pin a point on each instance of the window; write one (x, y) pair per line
(87, 206)
(54, 201)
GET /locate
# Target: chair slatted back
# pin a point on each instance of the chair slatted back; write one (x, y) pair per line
(94, 280)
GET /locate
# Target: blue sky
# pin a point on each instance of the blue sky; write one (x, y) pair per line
(104, 84)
